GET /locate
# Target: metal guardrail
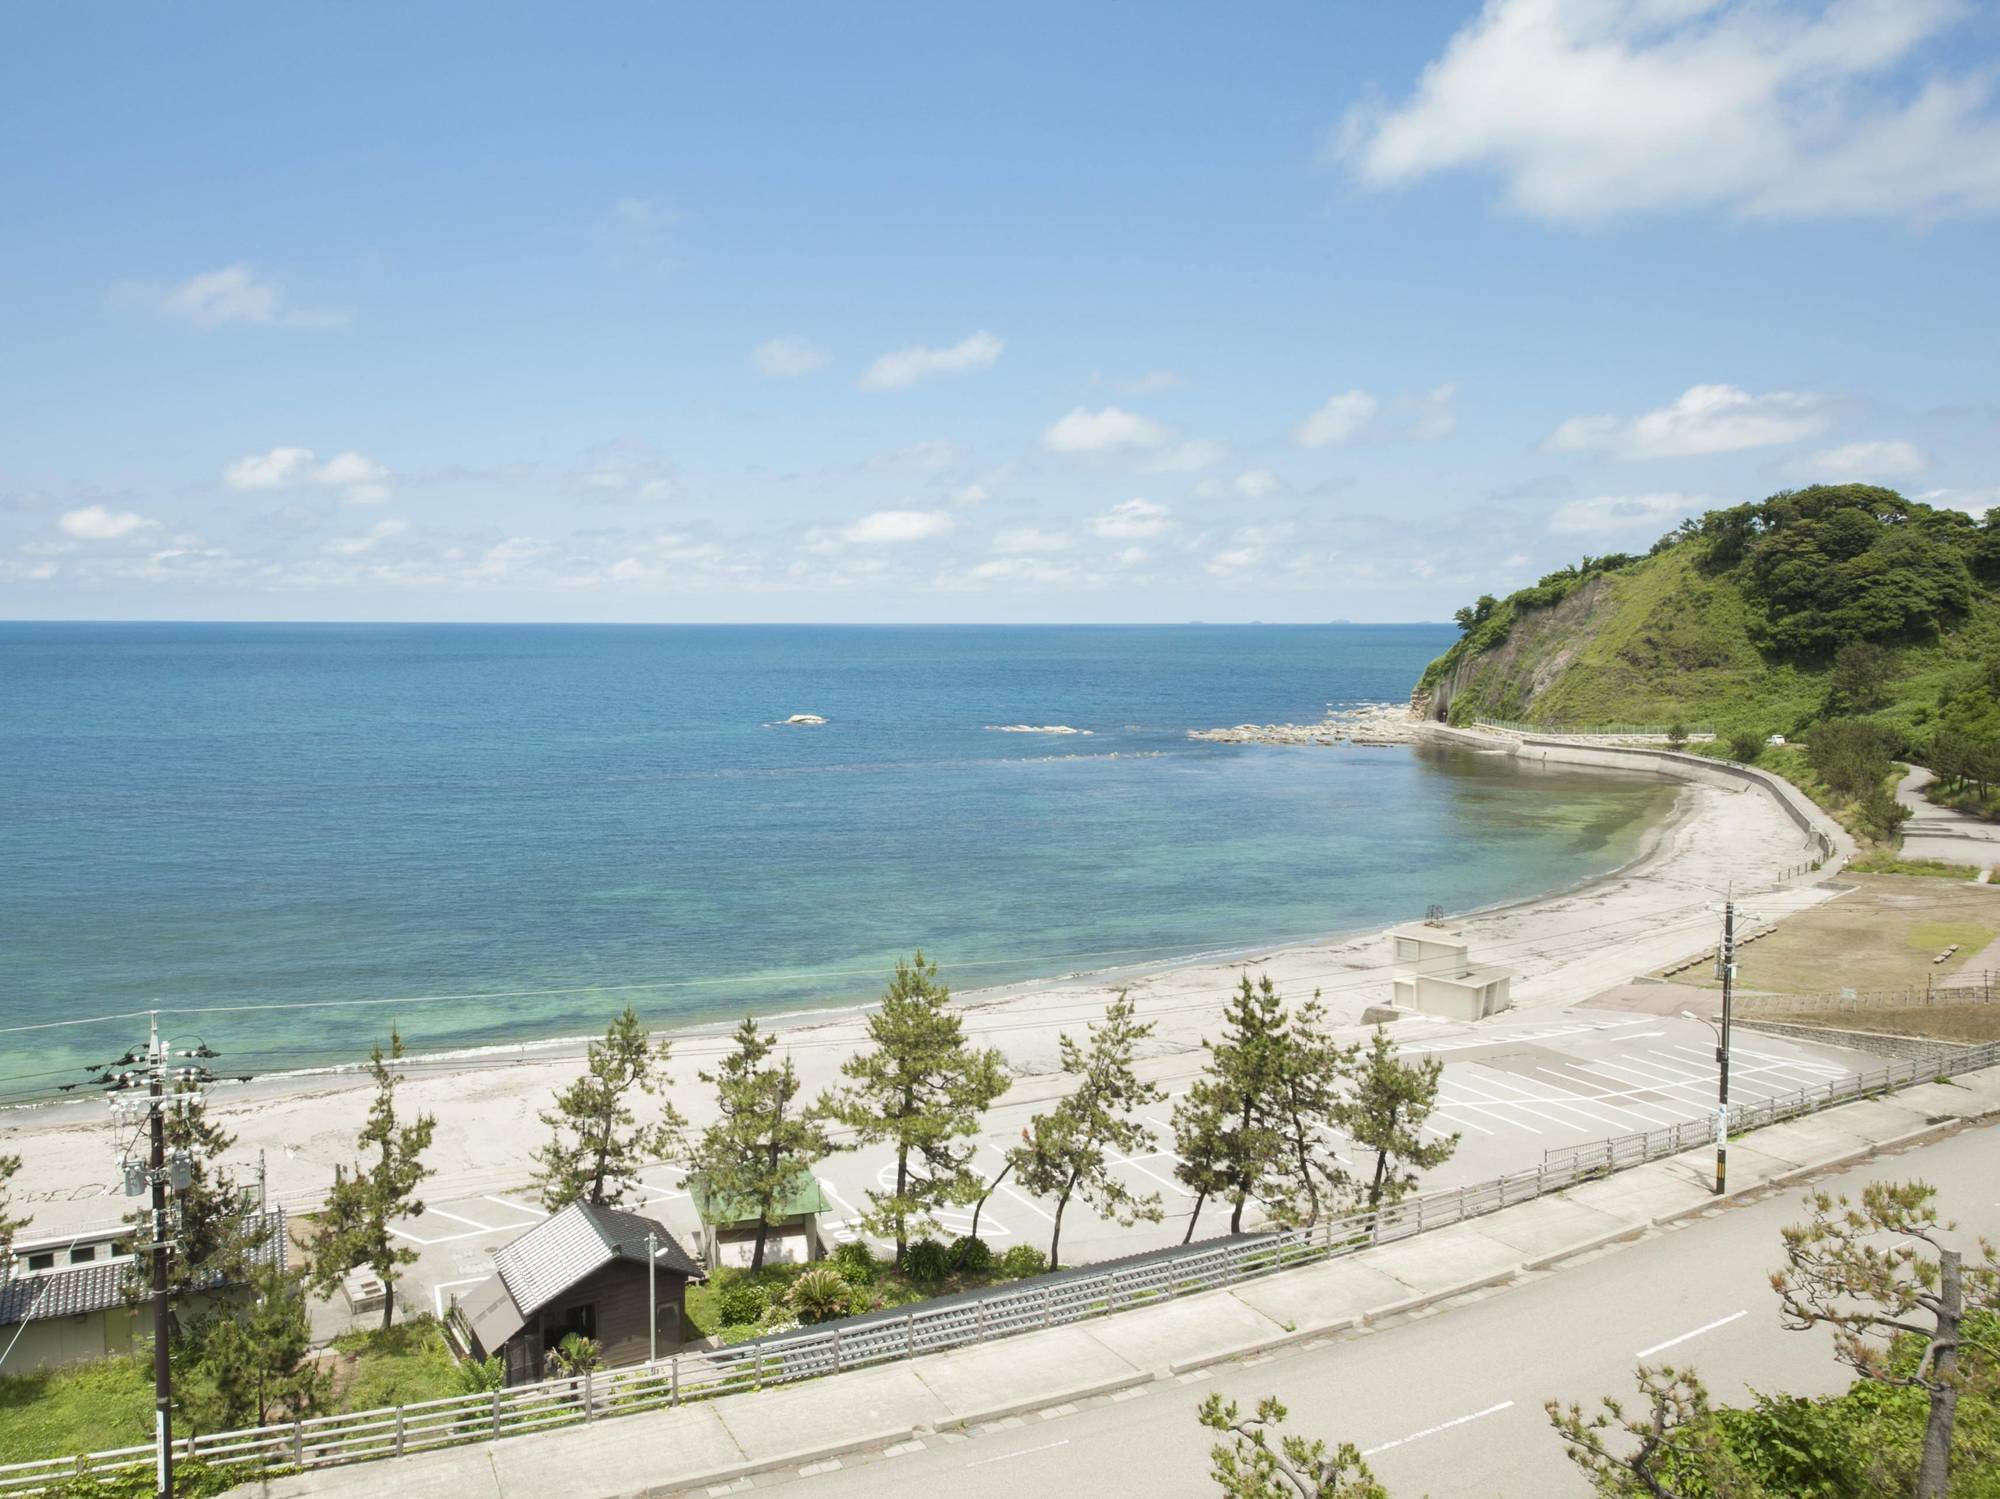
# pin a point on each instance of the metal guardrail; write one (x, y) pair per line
(1599, 731)
(1051, 1301)
(1954, 990)
(1621, 1151)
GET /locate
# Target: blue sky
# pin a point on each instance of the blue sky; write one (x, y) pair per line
(885, 313)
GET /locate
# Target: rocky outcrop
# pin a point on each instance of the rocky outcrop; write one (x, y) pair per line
(1507, 677)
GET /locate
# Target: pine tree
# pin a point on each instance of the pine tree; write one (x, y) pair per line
(763, 1140)
(1311, 1072)
(597, 1145)
(354, 1225)
(1385, 1113)
(256, 1357)
(1067, 1152)
(9, 1224)
(1228, 1129)
(921, 1089)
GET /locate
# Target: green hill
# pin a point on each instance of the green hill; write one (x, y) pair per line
(1829, 603)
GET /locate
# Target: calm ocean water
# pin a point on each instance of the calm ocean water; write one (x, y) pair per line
(257, 815)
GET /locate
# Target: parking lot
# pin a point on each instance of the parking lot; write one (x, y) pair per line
(1510, 1091)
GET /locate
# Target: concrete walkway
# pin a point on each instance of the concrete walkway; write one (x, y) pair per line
(720, 1442)
(1935, 832)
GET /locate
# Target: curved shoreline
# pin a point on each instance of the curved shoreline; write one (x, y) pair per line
(1564, 944)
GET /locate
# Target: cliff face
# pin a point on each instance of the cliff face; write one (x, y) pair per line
(1506, 680)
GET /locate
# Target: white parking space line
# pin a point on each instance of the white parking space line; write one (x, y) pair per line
(1705, 1327)
(1561, 1100)
(460, 1218)
(438, 1290)
(1629, 1107)
(1165, 1181)
(519, 1207)
(1640, 1078)
(471, 1233)
(1766, 1087)
(1797, 1064)
(1489, 1101)
(1431, 1431)
(1468, 1105)
(1439, 1113)
(1740, 1077)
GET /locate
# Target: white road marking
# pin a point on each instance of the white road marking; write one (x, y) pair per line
(1487, 1100)
(1630, 1106)
(1705, 1327)
(461, 1218)
(438, 1290)
(1431, 1431)
(981, 1462)
(1119, 1160)
(519, 1207)
(1561, 1101)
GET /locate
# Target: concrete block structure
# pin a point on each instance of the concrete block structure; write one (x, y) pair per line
(1435, 975)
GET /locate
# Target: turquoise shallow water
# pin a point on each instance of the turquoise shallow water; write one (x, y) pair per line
(246, 815)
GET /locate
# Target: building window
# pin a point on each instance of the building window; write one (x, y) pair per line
(43, 1261)
(83, 1255)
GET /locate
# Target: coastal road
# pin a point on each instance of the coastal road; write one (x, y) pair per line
(1450, 1401)
(1513, 1088)
(1935, 832)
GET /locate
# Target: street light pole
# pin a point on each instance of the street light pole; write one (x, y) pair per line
(652, 1298)
(1728, 961)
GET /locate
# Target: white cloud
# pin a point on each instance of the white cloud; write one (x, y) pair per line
(1588, 109)
(1149, 384)
(969, 496)
(98, 523)
(1255, 483)
(1026, 570)
(1031, 539)
(1889, 458)
(1132, 521)
(363, 479)
(893, 371)
(893, 526)
(233, 296)
(354, 546)
(787, 358)
(1234, 560)
(1612, 514)
(1434, 414)
(1343, 418)
(1187, 457)
(1109, 430)
(1976, 501)
(1703, 419)
(929, 456)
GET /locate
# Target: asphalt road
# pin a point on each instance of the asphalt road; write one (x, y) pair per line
(1450, 1402)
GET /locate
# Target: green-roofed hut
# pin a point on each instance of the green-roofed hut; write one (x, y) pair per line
(729, 1229)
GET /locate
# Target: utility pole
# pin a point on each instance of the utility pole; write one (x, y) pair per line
(163, 1371)
(158, 1174)
(1726, 959)
(652, 1299)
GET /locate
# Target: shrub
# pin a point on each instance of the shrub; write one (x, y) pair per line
(926, 1263)
(856, 1263)
(1022, 1261)
(576, 1354)
(741, 1301)
(820, 1294)
(972, 1256)
(1745, 745)
(1677, 735)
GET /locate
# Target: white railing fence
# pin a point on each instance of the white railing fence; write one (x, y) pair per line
(1047, 1301)
(1620, 1151)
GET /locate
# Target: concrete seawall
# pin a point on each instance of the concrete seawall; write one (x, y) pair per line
(1814, 823)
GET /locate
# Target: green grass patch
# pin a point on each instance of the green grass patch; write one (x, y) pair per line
(1937, 869)
(408, 1363)
(87, 1408)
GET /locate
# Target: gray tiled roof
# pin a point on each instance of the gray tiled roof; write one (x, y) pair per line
(104, 1284)
(553, 1256)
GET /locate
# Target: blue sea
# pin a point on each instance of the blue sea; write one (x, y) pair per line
(541, 823)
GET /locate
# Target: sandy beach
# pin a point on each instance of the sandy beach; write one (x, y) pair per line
(1564, 947)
